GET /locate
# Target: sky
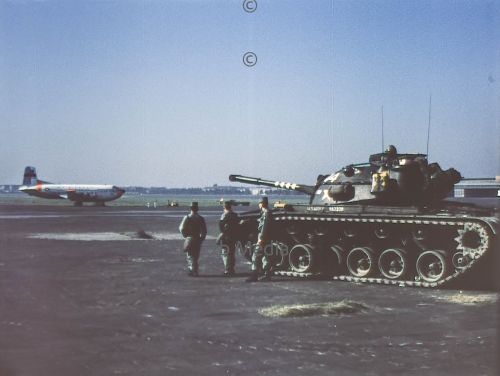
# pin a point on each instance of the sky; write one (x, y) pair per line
(155, 93)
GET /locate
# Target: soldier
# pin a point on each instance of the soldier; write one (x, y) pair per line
(390, 156)
(194, 230)
(228, 226)
(264, 238)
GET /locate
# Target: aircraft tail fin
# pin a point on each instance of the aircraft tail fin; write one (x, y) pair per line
(30, 177)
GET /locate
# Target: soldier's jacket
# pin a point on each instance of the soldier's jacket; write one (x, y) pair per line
(194, 229)
(264, 227)
(229, 228)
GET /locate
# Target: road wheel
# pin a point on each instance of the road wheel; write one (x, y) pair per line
(280, 255)
(393, 263)
(361, 262)
(432, 265)
(337, 260)
(302, 258)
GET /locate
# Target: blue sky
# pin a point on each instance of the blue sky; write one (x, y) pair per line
(156, 93)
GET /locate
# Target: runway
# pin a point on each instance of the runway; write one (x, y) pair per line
(83, 294)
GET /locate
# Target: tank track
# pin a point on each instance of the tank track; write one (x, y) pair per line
(484, 228)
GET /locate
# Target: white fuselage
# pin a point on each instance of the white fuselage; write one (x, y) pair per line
(74, 192)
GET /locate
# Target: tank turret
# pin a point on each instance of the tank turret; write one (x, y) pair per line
(388, 178)
(383, 221)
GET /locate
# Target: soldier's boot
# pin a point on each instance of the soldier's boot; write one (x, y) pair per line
(229, 273)
(266, 277)
(254, 277)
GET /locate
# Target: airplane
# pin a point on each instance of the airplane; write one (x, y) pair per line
(78, 193)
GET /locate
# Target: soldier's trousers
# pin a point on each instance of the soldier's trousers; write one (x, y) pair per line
(228, 257)
(259, 257)
(192, 256)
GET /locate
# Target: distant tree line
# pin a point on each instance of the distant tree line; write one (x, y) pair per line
(219, 190)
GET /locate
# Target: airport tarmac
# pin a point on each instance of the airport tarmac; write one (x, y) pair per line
(82, 294)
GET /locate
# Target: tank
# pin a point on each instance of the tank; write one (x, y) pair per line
(384, 221)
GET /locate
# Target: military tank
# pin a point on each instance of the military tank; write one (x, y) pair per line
(384, 221)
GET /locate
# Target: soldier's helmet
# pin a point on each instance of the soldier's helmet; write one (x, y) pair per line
(391, 151)
(264, 201)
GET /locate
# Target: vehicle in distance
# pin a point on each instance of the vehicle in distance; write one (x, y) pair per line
(78, 193)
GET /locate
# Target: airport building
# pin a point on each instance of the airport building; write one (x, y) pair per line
(9, 188)
(487, 187)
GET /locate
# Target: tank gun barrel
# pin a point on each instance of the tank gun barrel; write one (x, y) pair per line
(307, 189)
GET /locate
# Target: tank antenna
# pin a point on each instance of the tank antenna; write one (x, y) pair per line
(333, 127)
(429, 126)
(382, 129)
(333, 88)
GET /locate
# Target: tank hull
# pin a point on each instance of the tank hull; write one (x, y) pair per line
(403, 246)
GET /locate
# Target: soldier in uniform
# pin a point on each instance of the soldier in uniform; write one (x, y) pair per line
(228, 226)
(390, 156)
(194, 230)
(259, 255)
